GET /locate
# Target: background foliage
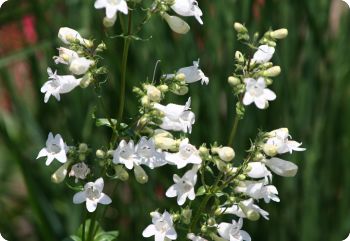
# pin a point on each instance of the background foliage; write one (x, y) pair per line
(313, 96)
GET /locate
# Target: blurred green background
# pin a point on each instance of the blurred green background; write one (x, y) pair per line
(313, 102)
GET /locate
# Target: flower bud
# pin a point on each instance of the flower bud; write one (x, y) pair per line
(204, 229)
(100, 154)
(145, 101)
(270, 150)
(153, 93)
(109, 22)
(203, 152)
(241, 177)
(140, 175)
(121, 173)
(271, 43)
(258, 157)
(101, 47)
(83, 147)
(180, 77)
(226, 153)
(165, 143)
(110, 153)
(240, 28)
(82, 157)
(279, 33)
(239, 57)
(163, 88)
(175, 217)
(180, 90)
(272, 72)
(211, 222)
(61, 173)
(176, 24)
(233, 81)
(186, 215)
(253, 215)
(86, 80)
(268, 81)
(218, 212)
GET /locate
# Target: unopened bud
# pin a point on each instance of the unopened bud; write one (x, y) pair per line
(100, 154)
(271, 43)
(241, 177)
(270, 150)
(218, 212)
(153, 93)
(240, 27)
(272, 72)
(145, 101)
(180, 77)
(176, 24)
(279, 33)
(109, 22)
(61, 173)
(165, 143)
(163, 88)
(258, 157)
(83, 147)
(110, 153)
(203, 151)
(252, 215)
(101, 47)
(180, 90)
(204, 229)
(211, 222)
(268, 81)
(140, 175)
(175, 217)
(121, 173)
(86, 80)
(226, 153)
(88, 43)
(186, 215)
(239, 57)
(233, 81)
(82, 157)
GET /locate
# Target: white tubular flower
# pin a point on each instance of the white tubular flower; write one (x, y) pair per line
(188, 8)
(80, 65)
(279, 141)
(177, 117)
(194, 74)
(162, 227)
(1, 3)
(125, 154)
(93, 195)
(1, 238)
(55, 148)
(258, 190)
(263, 54)
(65, 56)
(58, 84)
(248, 206)
(183, 187)
(109, 22)
(148, 155)
(176, 24)
(79, 171)
(193, 237)
(187, 154)
(282, 167)
(232, 231)
(258, 170)
(257, 92)
(112, 7)
(68, 35)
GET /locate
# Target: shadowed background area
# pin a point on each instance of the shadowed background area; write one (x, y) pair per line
(313, 93)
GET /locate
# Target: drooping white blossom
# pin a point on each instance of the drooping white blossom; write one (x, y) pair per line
(257, 92)
(177, 117)
(58, 84)
(148, 155)
(259, 190)
(65, 56)
(55, 148)
(79, 171)
(1, 238)
(232, 231)
(183, 187)
(193, 237)
(282, 167)
(68, 35)
(193, 73)
(112, 7)
(187, 154)
(188, 8)
(162, 227)
(280, 143)
(244, 207)
(263, 54)
(176, 24)
(92, 195)
(125, 154)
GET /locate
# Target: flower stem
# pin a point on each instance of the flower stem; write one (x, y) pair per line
(91, 227)
(127, 42)
(233, 130)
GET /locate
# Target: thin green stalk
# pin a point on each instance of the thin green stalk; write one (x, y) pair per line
(83, 228)
(233, 131)
(91, 227)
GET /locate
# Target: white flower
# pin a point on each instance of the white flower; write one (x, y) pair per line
(126, 154)
(177, 117)
(109, 22)
(176, 24)
(93, 195)
(161, 228)
(112, 7)
(1, 238)
(258, 190)
(58, 84)
(280, 143)
(348, 237)
(247, 205)
(80, 65)
(68, 35)
(263, 54)
(232, 231)
(79, 171)
(193, 73)
(193, 237)
(148, 155)
(258, 170)
(183, 187)
(282, 167)
(65, 56)
(188, 8)
(187, 154)
(348, 3)
(1, 3)
(257, 92)
(55, 149)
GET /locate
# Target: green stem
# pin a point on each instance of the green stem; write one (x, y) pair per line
(233, 131)
(83, 228)
(127, 42)
(91, 227)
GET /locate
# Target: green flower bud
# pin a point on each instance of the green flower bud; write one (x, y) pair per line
(203, 152)
(268, 81)
(110, 153)
(271, 43)
(218, 212)
(145, 101)
(258, 157)
(204, 229)
(88, 43)
(242, 177)
(272, 72)
(61, 173)
(240, 28)
(226, 153)
(279, 33)
(239, 57)
(83, 147)
(140, 175)
(180, 90)
(163, 88)
(180, 77)
(233, 81)
(186, 215)
(175, 217)
(102, 70)
(100, 154)
(121, 173)
(101, 47)
(211, 222)
(253, 215)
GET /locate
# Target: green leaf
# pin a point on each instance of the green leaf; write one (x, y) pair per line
(106, 236)
(201, 191)
(106, 122)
